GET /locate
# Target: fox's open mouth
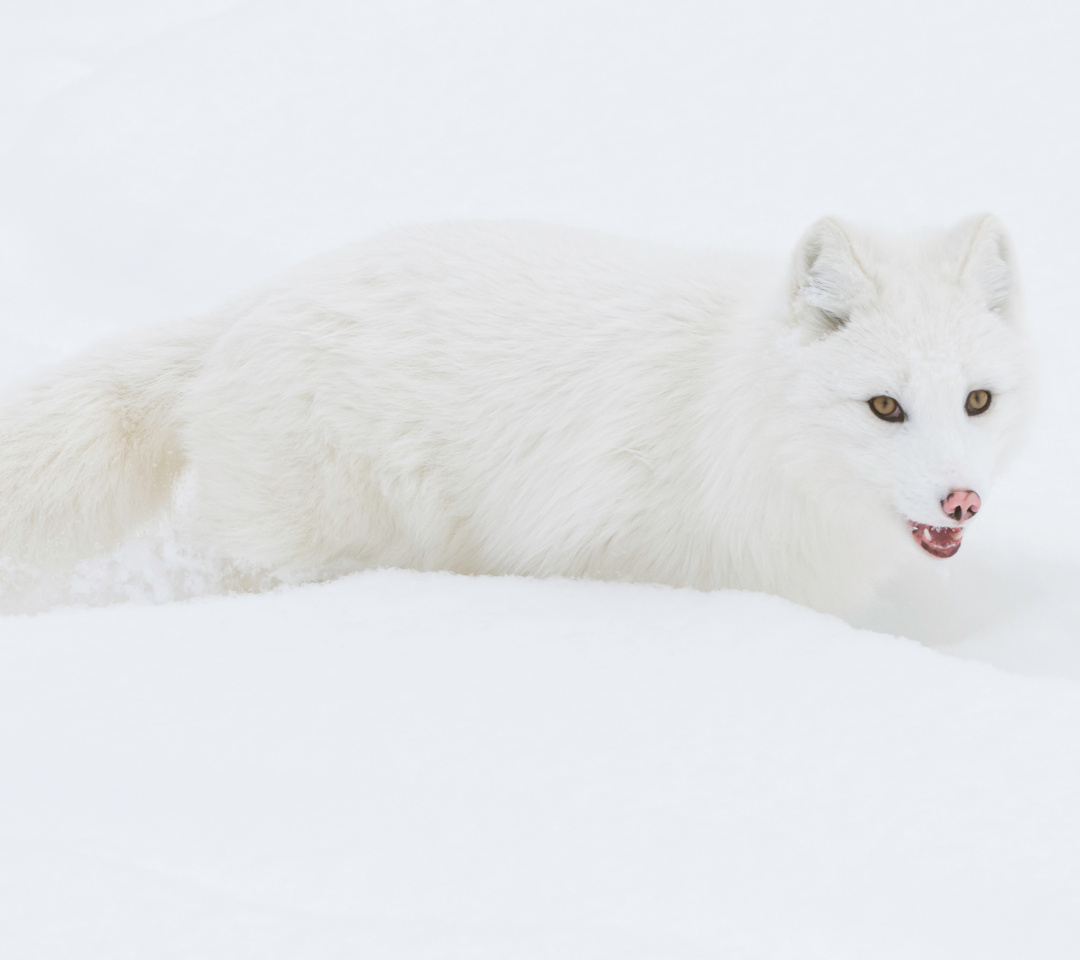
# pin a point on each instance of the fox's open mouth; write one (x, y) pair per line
(939, 542)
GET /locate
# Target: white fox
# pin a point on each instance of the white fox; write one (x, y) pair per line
(522, 399)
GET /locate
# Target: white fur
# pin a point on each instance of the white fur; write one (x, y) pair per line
(523, 399)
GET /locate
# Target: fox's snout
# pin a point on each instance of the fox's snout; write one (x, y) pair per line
(961, 505)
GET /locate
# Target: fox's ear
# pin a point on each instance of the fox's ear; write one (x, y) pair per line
(986, 262)
(826, 277)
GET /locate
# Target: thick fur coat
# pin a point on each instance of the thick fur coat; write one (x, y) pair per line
(522, 399)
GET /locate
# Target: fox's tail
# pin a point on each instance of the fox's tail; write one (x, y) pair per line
(92, 450)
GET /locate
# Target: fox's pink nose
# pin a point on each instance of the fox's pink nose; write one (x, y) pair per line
(961, 505)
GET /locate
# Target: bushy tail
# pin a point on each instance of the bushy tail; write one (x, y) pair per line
(92, 450)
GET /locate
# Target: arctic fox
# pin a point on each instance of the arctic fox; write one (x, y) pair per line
(497, 398)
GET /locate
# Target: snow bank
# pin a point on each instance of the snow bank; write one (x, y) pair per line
(409, 765)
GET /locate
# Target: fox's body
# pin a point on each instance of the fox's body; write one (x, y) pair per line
(518, 399)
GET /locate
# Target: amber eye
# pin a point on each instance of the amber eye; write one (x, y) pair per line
(886, 408)
(978, 401)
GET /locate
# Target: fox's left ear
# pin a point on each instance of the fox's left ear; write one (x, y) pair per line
(986, 263)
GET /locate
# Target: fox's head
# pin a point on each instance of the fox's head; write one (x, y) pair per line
(911, 357)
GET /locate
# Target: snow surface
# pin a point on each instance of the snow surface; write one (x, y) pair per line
(410, 766)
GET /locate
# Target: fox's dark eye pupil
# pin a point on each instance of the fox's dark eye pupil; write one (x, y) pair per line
(977, 402)
(886, 408)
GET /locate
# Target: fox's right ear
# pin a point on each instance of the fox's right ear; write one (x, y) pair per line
(826, 277)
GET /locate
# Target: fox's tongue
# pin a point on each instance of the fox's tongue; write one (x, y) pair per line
(937, 541)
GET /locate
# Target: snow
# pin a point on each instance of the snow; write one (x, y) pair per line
(406, 765)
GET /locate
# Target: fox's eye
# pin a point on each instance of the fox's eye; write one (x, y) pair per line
(886, 408)
(978, 401)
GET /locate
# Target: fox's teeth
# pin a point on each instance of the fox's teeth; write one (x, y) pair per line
(957, 533)
(926, 533)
